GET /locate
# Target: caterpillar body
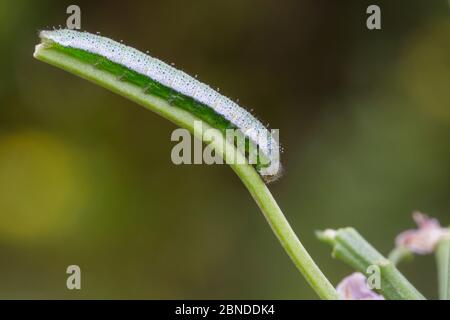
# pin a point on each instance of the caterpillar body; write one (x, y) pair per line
(215, 108)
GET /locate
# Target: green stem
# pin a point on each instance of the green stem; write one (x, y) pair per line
(284, 232)
(246, 172)
(350, 247)
(400, 254)
(443, 266)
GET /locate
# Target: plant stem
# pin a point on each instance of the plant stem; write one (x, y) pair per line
(284, 232)
(443, 266)
(246, 172)
(400, 254)
(350, 247)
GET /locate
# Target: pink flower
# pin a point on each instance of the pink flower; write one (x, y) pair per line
(424, 239)
(354, 287)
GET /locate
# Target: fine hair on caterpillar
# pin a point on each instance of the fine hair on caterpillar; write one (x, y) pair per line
(242, 150)
(176, 87)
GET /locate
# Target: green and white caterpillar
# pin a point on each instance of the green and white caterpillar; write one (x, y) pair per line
(183, 100)
(171, 84)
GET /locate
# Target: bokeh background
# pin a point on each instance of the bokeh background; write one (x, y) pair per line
(86, 176)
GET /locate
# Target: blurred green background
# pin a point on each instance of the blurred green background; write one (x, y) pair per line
(86, 176)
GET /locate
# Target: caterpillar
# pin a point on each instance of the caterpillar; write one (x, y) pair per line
(176, 86)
